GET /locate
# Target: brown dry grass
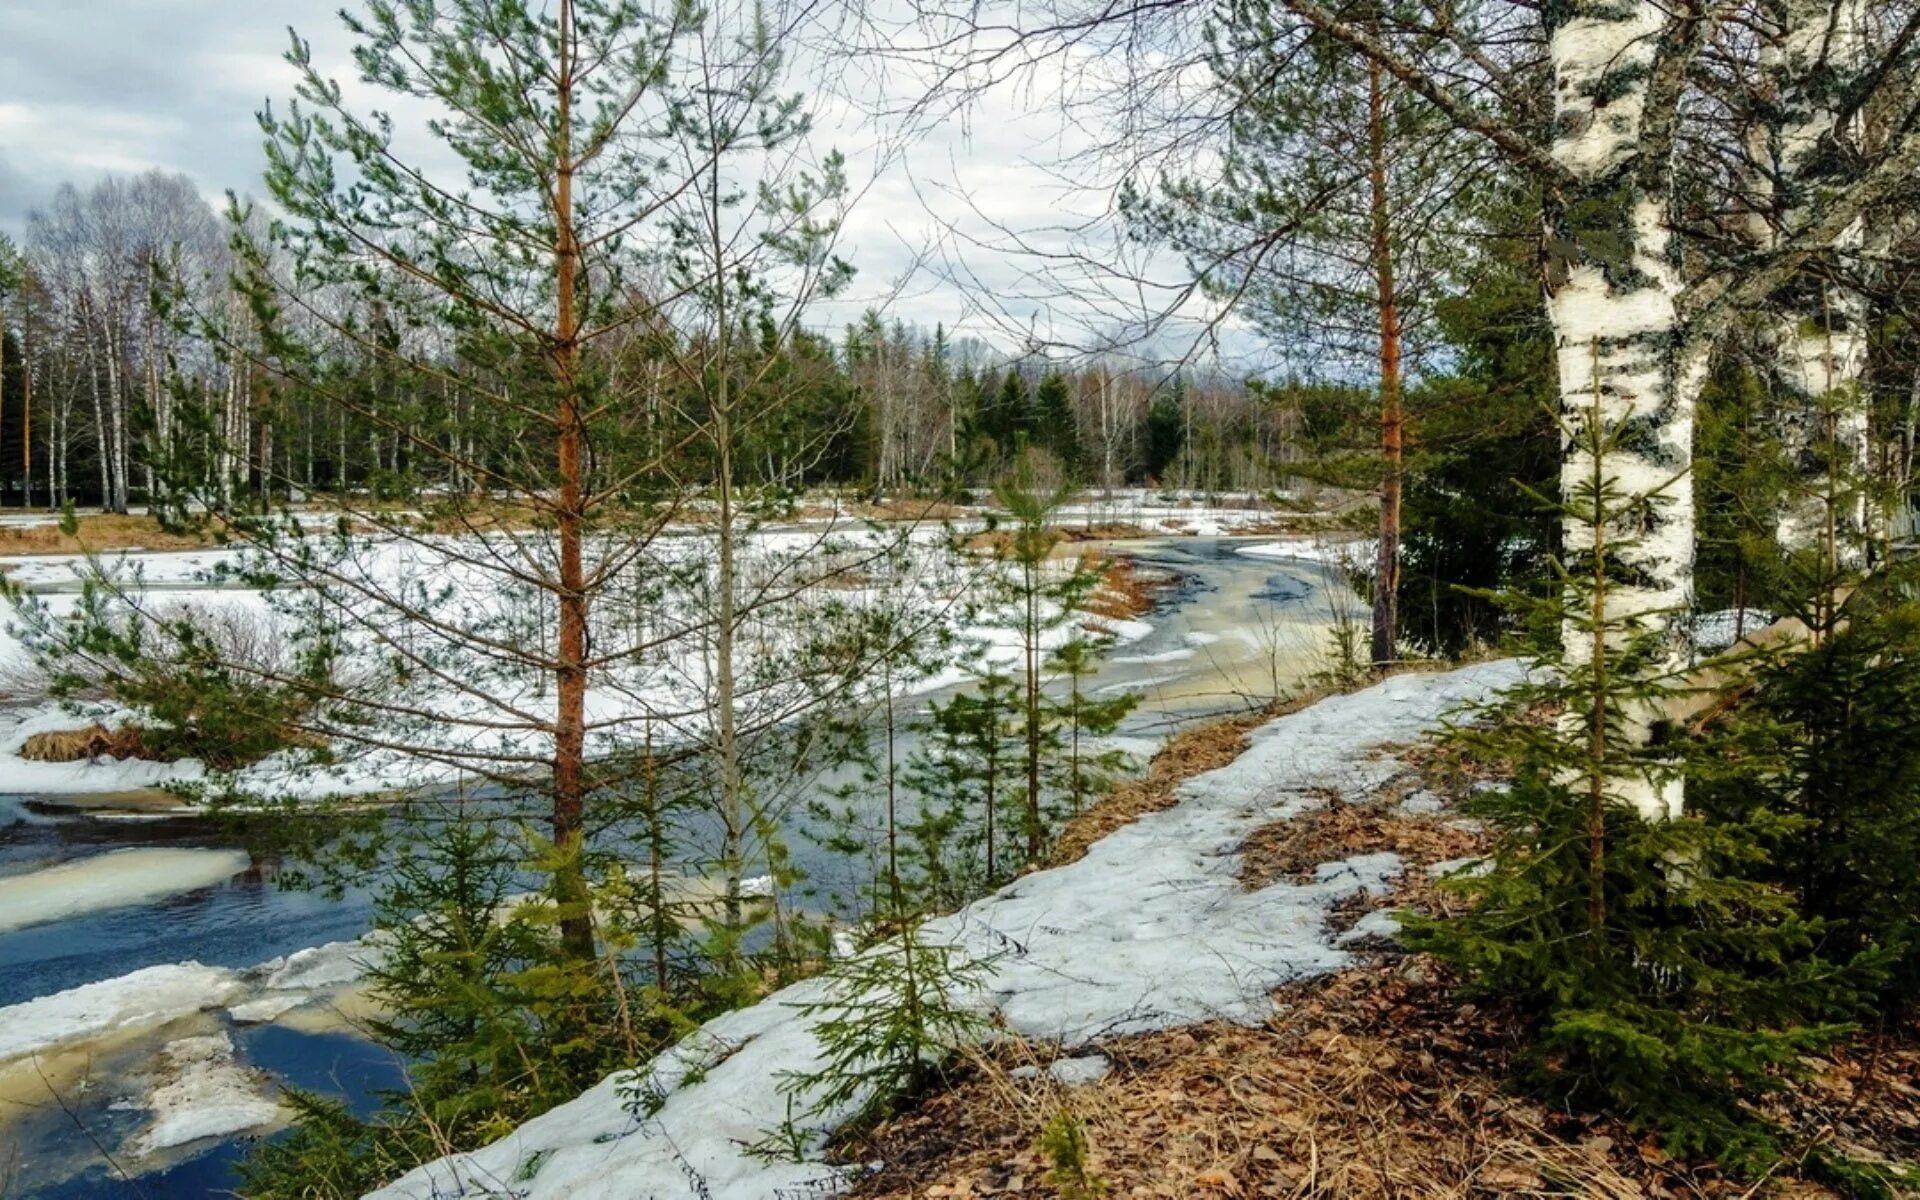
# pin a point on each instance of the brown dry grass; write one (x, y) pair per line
(1291, 850)
(79, 745)
(1376, 1082)
(1380, 1081)
(1104, 531)
(1366, 1085)
(1125, 591)
(97, 532)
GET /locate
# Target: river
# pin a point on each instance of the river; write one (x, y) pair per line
(1233, 632)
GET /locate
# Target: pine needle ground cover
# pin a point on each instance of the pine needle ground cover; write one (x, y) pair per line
(1378, 1082)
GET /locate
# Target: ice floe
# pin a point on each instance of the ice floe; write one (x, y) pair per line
(112, 880)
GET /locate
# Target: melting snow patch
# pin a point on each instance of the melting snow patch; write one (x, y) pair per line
(1381, 923)
(1078, 1072)
(1421, 804)
(205, 1094)
(150, 996)
(1150, 930)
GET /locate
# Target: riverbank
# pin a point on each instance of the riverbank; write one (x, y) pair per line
(1150, 930)
(1190, 661)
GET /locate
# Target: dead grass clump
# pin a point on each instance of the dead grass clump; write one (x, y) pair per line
(82, 745)
(1125, 591)
(1291, 850)
(915, 510)
(1103, 531)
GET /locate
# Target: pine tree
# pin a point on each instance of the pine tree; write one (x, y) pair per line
(1083, 773)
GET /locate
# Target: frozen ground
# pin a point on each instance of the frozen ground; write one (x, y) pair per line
(111, 880)
(1150, 930)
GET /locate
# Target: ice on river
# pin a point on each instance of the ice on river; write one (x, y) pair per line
(111, 880)
(148, 997)
(201, 1092)
(1345, 553)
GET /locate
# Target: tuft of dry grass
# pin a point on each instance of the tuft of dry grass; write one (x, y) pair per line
(1291, 850)
(80, 745)
(1125, 591)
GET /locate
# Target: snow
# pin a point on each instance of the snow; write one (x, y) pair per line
(112, 880)
(1716, 630)
(147, 997)
(1078, 1072)
(329, 965)
(1382, 924)
(89, 776)
(473, 702)
(1150, 930)
(1358, 552)
(204, 1094)
(266, 1008)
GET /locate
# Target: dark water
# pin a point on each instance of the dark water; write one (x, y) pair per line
(251, 918)
(245, 921)
(333, 1064)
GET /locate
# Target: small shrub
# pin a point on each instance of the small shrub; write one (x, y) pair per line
(889, 1024)
(1064, 1143)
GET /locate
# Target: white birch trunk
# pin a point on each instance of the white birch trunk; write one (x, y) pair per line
(1613, 288)
(1821, 333)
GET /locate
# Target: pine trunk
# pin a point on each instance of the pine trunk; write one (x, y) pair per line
(1386, 587)
(569, 734)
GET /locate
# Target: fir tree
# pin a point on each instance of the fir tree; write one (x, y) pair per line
(1164, 433)
(1658, 971)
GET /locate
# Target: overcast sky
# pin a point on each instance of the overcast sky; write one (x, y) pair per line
(92, 87)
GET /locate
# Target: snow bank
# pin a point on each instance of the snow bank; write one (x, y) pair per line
(204, 1094)
(1358, 552)
(149, 996)
(111, 880)
(84, 777)
(1150, 930)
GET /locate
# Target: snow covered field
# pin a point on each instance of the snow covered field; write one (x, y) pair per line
(1151, 930)
(463, 625)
